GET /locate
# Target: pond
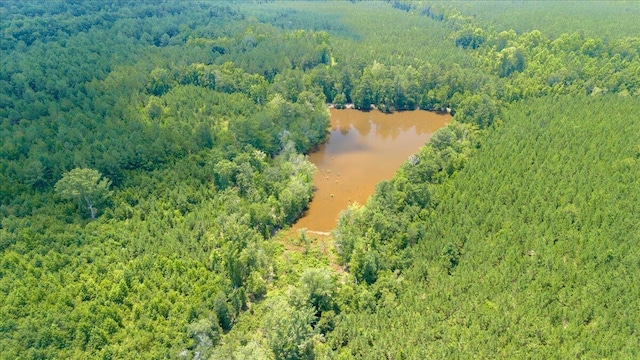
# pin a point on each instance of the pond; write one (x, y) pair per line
(363, 149)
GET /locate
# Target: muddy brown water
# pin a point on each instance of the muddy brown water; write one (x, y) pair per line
(363, 149)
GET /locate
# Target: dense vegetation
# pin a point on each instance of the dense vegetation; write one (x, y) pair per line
(151, 151)
(595, 19)
(205, 161)
(528, 252)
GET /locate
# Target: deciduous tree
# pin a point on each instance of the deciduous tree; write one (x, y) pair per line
(87, 186)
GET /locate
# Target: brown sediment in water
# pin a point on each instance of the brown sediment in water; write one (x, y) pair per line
(363, 149)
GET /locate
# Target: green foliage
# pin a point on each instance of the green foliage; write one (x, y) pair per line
(86, 186)
(316, 289)
(509, 235)
(340, 101)
(470, 38)
(205, 334)
(288, 331)
(379, 236)
(522, 250)
(536, 63)
(180, 253)
(480, 110)
(601, 19)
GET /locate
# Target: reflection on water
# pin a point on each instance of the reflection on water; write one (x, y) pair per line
(363, 149)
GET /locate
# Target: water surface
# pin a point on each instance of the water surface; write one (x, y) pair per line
(363, 149)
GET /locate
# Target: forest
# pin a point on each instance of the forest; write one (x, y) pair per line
(153, 155)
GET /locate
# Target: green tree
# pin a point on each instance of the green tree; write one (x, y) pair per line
(510, 60)
(340, 101)
(205, 334)
(87, 186)
(316, 289)
(480, 110)
(288, 331)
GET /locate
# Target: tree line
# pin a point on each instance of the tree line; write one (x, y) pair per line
(152, 151)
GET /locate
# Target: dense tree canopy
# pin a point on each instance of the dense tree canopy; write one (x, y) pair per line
(520, 255)
(180, 129)
(85, 186)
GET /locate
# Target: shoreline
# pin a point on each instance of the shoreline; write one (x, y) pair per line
(373, 107)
